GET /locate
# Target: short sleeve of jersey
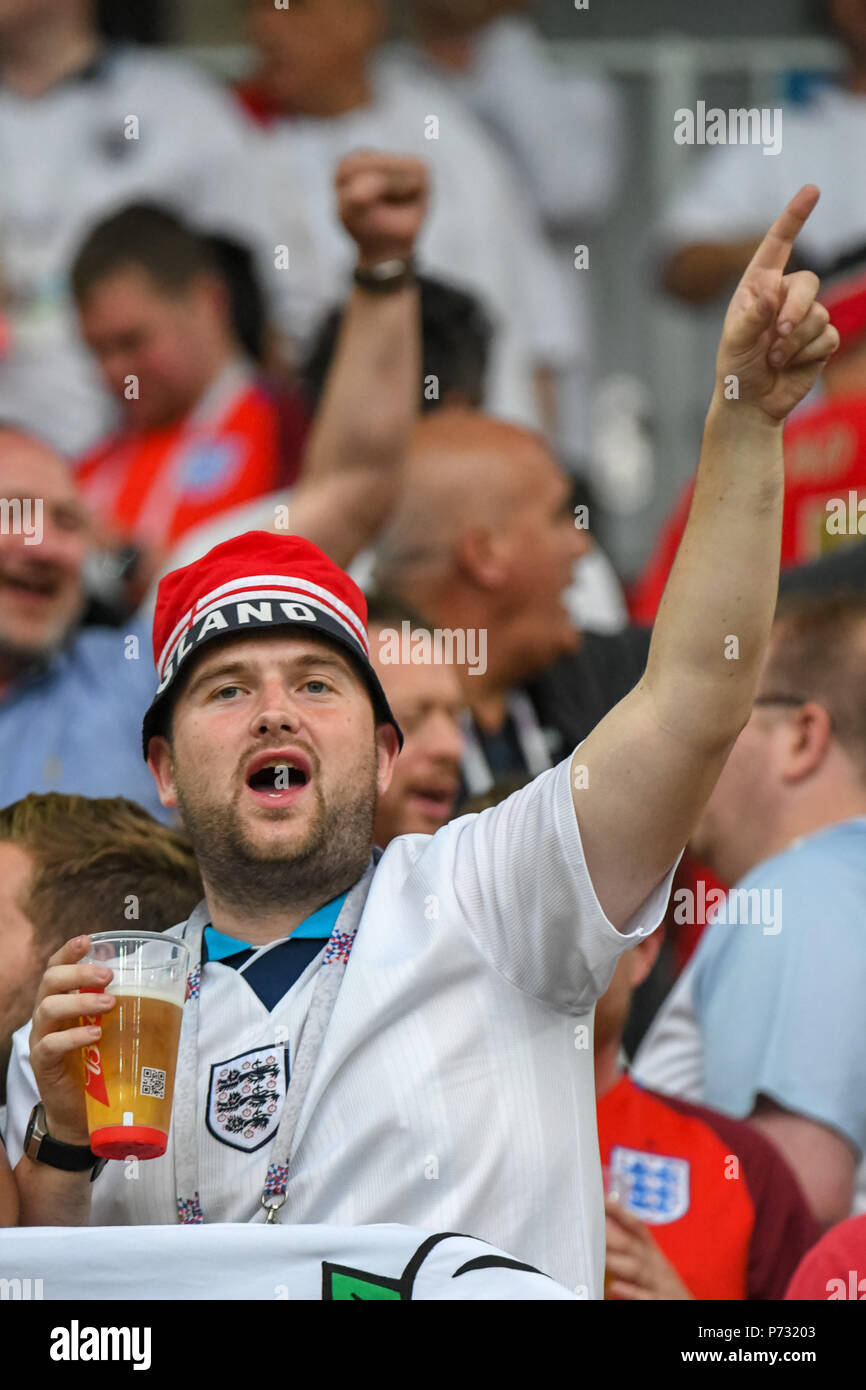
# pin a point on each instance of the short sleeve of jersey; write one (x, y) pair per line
(517, 877)
(779, 1002)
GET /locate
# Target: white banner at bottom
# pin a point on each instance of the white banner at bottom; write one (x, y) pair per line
(262, 1263)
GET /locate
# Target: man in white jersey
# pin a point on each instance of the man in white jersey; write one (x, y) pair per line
(432, 1063)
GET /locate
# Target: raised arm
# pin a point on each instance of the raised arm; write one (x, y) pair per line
(359, 439)
(651, 764)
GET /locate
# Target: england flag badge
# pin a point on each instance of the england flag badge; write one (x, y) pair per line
(657, 1187)
(245, 1097)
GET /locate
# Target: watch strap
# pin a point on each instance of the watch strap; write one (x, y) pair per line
(386, 278)
(71, 1158)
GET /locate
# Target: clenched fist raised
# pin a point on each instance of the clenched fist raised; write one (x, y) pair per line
(382, 203)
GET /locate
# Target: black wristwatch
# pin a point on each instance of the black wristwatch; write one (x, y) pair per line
(72, 1158)
(387, 277)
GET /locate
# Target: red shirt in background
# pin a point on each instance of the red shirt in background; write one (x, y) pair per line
(718, 1198)
(151, 487)
(825, 457)
(684, 921)
(835, 1268)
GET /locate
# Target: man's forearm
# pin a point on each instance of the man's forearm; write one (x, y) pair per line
(364, 423)
(714, 620)
(50, 1197)
(647, 770)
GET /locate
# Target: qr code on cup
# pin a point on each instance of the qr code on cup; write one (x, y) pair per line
(152, 1083)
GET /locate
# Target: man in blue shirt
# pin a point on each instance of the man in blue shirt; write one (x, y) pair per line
(70, 702)
(768, 1021)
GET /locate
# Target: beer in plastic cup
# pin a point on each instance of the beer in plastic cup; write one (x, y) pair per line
(129, 1072)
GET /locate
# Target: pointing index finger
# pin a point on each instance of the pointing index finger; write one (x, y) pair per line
(774, 250)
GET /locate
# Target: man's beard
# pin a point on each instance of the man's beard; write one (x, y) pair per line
(329, 859)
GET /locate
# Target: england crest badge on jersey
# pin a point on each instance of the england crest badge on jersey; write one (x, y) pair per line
(657, 1188)
(245, 1097)
(211, 465)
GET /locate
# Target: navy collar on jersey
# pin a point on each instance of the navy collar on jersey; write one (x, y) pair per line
(271, 971)
(319, 925)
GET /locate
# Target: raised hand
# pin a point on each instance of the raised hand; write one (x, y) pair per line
(776, 336)
(382, 202)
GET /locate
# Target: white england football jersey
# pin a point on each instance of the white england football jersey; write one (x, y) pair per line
(136, 127)
(454, 1090)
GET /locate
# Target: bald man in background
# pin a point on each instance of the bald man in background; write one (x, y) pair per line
(485, 539)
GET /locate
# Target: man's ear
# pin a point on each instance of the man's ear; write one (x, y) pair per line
(810, 739)
(161, 764)
(482, 556)
(387, 749)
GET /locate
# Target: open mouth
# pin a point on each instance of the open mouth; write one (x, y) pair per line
(279, 777)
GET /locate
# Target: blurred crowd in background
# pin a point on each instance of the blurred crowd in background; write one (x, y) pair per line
(173, 278)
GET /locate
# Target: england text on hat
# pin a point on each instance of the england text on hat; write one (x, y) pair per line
(738, 126)
(233, 617)
(458, 646)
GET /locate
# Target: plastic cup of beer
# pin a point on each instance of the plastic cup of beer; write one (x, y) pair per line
(129, 1071)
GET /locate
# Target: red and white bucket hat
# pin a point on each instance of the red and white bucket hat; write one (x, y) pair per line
(251, 583)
